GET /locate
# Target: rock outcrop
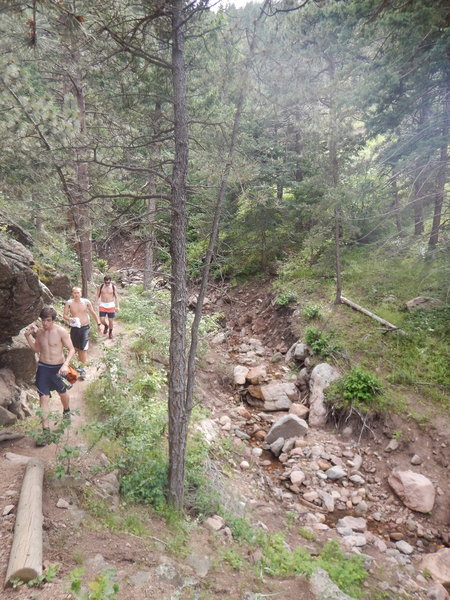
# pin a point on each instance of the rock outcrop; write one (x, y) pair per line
(20, 290)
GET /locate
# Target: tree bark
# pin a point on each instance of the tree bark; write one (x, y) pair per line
(150, 242)
(443, 166)
(396, 204)
(179, 407)
(25, 560)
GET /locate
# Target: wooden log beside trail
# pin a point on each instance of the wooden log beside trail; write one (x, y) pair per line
(369, 314)
(25, 560)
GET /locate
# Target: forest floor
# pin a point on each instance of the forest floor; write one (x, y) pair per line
(152, 563)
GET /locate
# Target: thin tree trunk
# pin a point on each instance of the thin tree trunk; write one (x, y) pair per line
(396, 204)
(419, 178)
(179, 406)
(150, 242)
(334, 168)
(443, 167)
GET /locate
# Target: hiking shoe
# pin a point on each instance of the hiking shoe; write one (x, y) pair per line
(66, 415)
(110, 335)
(81, 373)
(42, 439)
(105, 329)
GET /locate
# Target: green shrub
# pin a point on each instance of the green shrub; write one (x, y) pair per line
(358, 389)
(313, 311)
(322, 344)
(285, 298)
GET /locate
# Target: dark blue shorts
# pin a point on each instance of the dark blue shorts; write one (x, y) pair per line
(47, 379)
(103, 313)
(80, 337)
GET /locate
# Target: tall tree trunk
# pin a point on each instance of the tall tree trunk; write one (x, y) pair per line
(334, 171)
(150, 241)
(443, 166)
(396, 204)
(179, 407)
(420, 171)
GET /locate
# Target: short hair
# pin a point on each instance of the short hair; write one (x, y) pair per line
(106, 278)
(76, 287)
(48, 311)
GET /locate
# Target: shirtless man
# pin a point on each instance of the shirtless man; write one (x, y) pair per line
(76, 314)
(49, 342)
(108, 304)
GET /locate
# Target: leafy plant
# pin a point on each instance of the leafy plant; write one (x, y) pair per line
(313, 311)
(101, 588)
(359, 389)
(286, 298)
(321, 343)
(47, 576)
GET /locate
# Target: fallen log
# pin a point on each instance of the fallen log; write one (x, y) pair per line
(370, 314)
(25, 560)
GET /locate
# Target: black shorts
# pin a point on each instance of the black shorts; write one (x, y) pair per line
(110, 315)
(47, 379)
(80, 337)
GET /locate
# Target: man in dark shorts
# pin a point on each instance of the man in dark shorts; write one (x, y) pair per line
(76, 314)
(49, 342)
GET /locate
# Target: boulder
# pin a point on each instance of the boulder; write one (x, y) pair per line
(289, 426)
(240, 374)
(20, 291)
(321, 377)
(323, 588)
(61, 286)
(20, 359)
(437, 565)
(278, 395)
(422, 302)
(415, 490)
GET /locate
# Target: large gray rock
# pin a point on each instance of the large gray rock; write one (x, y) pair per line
(438, 565)
(20, 291)
(279, 395)
(20, 358)
(415, 490)
(324, 589)
(61, 286)
(422, 303)
(321, 377)
(289, 426)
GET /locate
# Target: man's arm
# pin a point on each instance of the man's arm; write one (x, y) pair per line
(66, 313)
(30, 336)
(67, 343)
(91, 311)
(116, 296)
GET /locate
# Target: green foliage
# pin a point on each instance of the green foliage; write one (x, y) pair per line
(286, 298)
(359, 389)
(306, 533)
(346, 571)
(232, 558)
(48, 575)
(102, 587)
(313, 311)
(322, 343)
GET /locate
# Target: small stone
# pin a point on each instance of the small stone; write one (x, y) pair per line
(404, 547)
(244, 465)
(7, 510)
(416, 460)
(63, 504)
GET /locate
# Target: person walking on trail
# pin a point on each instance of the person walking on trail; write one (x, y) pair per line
(76, 315)
(49, 342)
(108, 305)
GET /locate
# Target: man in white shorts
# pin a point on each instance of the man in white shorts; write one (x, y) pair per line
(108, 305)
